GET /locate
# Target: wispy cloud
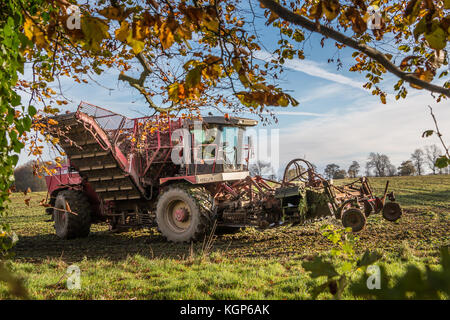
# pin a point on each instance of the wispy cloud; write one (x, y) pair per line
(394, 129)
(313, 69)
(299, 113)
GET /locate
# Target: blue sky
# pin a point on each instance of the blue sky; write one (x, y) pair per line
(337, 120)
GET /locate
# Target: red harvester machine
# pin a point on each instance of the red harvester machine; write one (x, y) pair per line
(122, 171)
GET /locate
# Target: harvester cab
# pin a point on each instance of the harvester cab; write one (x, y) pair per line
(185, 176)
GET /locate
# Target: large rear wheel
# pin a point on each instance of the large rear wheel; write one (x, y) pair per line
(72, 214)
(180, 216)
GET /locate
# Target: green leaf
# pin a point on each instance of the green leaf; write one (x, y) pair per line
(442, 162)
(17, 146)
(427, 133)
(14, 159)
(32, 111)
(319, 289)
(436, 39)
(27, 123)
(420, 28)
(318, 268)
(193, 77)
(368, 258)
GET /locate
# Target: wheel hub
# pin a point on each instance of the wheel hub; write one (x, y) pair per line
(181, 215)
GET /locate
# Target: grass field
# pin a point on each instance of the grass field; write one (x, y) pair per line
(247, 265)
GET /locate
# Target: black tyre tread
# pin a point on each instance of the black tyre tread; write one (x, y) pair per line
(358, 227)
(392, 206)
(78, 225)
(197, 195)
(341, 208)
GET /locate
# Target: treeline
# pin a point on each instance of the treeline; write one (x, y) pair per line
(25, 179)
(379, 165)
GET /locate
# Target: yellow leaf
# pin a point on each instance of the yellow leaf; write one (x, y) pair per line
(283, 101)
(40, 40)
(28, 28)
(173, 91)
(446, 4)
(411, 11)
(137, 45)
(424, 75)
(123, 32)
(111, 13)
(140, 30)
(331, 9)
(166, 36)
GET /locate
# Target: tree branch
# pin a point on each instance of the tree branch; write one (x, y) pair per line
(373, 53)
(139, 84)
(438, 133)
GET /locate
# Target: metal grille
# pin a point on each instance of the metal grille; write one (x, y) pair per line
(106, 119)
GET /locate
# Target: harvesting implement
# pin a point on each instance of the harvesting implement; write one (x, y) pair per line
(185, 176)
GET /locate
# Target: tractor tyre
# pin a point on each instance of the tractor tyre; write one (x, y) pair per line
(180, 216)
(392, 211)
(72, 214)
(354, 218)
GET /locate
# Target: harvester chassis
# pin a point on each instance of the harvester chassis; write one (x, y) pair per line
(122, 169)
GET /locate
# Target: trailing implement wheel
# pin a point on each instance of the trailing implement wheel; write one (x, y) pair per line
(72, 215)
(392, 211)
(354, 219)
(180, 217)
(368, 208)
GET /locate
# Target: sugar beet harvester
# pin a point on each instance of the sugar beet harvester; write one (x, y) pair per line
(122, 171)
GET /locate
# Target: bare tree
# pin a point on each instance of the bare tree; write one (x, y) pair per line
(418, 159)
(260, 168)
(407, 168)
(331, 170)
(391, 170)
(368, 170)
(380, 163)
(353, 170)
(432, 154)
(340, 174)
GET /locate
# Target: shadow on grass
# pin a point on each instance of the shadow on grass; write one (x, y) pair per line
(150, 244)
(118, 246)
(434, 199)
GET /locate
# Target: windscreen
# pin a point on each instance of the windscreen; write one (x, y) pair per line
(218, 145)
